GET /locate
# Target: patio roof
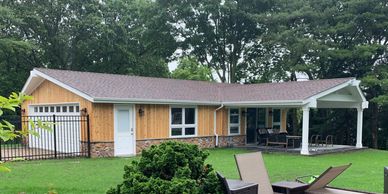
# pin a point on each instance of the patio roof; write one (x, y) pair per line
(113, 88)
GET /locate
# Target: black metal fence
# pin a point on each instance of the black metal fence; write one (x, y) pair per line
(68, 136)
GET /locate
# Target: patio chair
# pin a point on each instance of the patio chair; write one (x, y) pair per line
(278, 139)
(252, 169)
(318, 140)
(320, 184)
(313, 140)
(237, 186)
(262, 136)
(324, 142)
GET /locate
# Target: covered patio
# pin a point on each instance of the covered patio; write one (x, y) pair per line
(346, 95)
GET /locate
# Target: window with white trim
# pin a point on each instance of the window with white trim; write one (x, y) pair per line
(183, 121)
(276, 118)
(234, 121)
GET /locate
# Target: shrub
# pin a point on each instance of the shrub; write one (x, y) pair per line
(171, 167)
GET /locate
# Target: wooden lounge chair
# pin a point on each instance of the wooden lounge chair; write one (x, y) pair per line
(252, 169)
(319, 185)
(237, 186)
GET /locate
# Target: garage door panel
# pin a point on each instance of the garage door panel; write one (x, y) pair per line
(67, 128)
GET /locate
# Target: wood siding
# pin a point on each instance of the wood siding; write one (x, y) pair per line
(101, 115)
(222, 122)
(154, 123)
(102, 122)
(205, 120)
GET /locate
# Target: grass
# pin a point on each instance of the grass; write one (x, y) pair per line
(97, 175)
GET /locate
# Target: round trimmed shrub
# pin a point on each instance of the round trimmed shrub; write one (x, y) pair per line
(171, 167)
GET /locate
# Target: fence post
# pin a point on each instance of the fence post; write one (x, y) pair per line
(55, 137)
(88, 134)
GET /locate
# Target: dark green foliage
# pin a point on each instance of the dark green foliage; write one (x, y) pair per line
(171, 167)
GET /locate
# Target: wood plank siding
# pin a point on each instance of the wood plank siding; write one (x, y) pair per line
(101, 115)
(154, 122)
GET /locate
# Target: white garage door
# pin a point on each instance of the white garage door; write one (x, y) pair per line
(67, 127)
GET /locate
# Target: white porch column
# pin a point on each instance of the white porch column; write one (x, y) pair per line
(359, 127)
(305, 131)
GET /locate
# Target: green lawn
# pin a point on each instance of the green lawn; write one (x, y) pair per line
(97, 175)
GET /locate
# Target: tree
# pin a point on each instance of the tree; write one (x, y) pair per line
(17, 57)
(110, 36)
(218, 33)
(188, 68)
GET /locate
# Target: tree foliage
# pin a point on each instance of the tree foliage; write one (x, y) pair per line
(125, 37)
(188, 68)
(7, 129)
(238, 41)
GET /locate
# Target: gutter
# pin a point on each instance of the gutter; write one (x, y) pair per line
(215, 123)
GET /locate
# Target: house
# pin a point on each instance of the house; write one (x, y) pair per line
(130, 113)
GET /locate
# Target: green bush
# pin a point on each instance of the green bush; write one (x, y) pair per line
(171, 167)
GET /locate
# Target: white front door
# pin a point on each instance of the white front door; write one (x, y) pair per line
(124, 131)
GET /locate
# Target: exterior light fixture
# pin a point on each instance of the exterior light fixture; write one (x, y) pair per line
(141, 111)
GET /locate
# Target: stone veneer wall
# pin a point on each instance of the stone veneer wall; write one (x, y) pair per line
(101, 149)
(106, 149)
(202, 142)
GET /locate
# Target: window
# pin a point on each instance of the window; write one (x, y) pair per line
(71, 108)
(64, 108)
(276, 118)
(183, 122)
(234, 121)
(58, 108)
(261, 118)
(51, 109)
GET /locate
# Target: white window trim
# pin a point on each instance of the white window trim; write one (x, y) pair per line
(234, 124)
(32, 107)
(280, 119)
(183, 126)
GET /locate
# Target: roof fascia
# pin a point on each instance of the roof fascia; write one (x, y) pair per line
(154, 101)
(276, 103)
(28, 83)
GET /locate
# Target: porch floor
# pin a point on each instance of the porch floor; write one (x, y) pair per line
(313, 150)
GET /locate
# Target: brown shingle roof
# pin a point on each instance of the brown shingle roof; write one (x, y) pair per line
(112, 86)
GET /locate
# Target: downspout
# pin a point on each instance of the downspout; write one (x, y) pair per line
(215, 123)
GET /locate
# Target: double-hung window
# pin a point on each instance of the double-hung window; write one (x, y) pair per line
(183, 121)
(234, 121)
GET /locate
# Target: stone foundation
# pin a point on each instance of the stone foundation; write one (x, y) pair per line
(101, 149)
(202, 142)
(106, 149)
(231, 141)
